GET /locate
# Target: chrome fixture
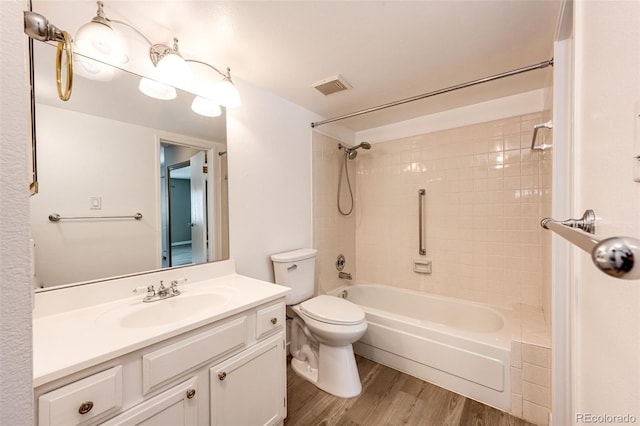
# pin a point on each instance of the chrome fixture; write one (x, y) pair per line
(343, 294)
(614, 256)
(39, 28)
(422, 239)
(587, 222)
(543, 146)
(340, 261)
(55, 217)
(352, 151)
(99, 46)
(349, 154)
(162, 292)
(345, 275)
(533, 67)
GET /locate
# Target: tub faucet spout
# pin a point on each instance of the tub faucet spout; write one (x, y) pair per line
(344, 275)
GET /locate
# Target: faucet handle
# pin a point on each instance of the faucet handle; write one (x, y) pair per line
(174, 288)
(151, 291)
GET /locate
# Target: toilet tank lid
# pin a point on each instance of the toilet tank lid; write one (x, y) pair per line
(293, 256)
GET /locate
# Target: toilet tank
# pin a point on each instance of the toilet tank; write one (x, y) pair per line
(296, 270)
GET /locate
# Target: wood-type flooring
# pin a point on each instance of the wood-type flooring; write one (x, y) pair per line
(388, 398)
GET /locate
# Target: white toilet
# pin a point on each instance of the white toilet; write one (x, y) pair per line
(321, 337)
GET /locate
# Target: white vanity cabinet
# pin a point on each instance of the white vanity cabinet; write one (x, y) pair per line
(248, 389)
(229, 372)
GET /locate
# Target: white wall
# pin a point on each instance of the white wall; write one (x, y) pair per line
(269, 146)
(607, 310)
(95, 157)
(16, 394)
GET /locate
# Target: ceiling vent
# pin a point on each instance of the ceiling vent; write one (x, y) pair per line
(330, 85)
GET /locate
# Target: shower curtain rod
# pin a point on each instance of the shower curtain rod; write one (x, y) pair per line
(438, 92)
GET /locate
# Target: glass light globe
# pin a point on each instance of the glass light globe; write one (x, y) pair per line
(206, 107)
(174, 70)
(99, 41)
(227, 94)
(156, 90)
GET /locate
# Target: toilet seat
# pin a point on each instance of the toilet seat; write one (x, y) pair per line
(332, 310)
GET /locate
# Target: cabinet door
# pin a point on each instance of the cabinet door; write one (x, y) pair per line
(249, 388)
(177, 406)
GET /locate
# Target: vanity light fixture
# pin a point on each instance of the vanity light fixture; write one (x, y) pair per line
(97, 45)
(157, 90)
(97, 39)
(206, 106)
(224, 93)
(171, 67)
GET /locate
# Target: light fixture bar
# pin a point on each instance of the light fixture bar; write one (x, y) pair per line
(227, 75)
(137, 31)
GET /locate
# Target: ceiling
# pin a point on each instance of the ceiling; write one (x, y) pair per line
(387, 50)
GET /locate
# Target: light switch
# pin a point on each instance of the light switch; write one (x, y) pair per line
(95, 203)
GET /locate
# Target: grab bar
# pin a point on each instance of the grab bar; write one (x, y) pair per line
(542, 147)
(614, 256)
(55, 217)
(422, 250)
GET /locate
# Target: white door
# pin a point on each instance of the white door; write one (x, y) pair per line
(198, 208)
(603, 312)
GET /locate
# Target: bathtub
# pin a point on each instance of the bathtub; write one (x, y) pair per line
(458, 345)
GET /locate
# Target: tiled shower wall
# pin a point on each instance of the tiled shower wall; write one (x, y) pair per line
(333, 233)
(486, 193)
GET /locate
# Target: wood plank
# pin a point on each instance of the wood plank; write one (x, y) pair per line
(389, 398)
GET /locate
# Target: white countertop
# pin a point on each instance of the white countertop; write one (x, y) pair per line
(70, 341)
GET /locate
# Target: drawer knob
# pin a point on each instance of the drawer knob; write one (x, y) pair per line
(191, 393)
(222, 376)
(274, 320)
(85, 407)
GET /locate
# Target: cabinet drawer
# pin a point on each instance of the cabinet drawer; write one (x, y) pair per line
(269, 318)
(172, 360)
(93, 395)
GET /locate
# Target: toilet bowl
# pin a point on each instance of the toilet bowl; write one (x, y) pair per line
(331, 366)
(323, 330)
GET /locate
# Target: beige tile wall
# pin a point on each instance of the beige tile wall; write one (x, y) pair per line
(333, 233)
(486, 194)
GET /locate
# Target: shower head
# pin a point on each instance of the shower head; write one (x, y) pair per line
(351, 151)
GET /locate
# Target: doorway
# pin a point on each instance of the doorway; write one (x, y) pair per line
(184, 205)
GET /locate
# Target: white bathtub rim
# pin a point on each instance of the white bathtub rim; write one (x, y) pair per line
(504, 335)
(504, 312)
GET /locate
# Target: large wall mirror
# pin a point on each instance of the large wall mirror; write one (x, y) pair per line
(110, 153)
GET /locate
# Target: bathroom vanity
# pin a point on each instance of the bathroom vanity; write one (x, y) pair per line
(215, 354)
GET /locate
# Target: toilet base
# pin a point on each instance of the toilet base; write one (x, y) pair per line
(337, 372)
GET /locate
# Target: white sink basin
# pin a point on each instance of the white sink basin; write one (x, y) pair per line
(163, 312)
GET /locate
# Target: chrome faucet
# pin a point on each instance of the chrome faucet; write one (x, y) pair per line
(163, 292)
(345, 275)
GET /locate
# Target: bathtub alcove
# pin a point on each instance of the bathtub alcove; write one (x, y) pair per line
(478, 324)
(458, 345)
